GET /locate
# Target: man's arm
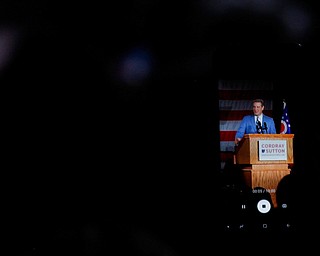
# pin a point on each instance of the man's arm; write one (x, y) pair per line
(241, 130)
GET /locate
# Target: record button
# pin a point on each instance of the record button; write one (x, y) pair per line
(264, 206)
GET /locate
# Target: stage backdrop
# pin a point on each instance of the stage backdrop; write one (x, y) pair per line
(235, 101)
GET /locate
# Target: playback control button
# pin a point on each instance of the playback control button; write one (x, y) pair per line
(263, 206)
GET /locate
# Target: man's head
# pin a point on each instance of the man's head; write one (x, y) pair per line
(257, 107)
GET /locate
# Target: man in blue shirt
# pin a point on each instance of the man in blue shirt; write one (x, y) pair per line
(255, 123)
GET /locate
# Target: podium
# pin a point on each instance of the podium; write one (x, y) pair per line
(264, 159)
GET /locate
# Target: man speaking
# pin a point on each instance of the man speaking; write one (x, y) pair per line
(256, 122)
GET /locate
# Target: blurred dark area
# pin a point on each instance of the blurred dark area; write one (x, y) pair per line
(111, 117)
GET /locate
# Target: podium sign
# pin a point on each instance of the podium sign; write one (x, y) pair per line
(272, 150)
(248, 151)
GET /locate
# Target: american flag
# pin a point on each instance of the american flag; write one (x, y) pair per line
(235, 101)
(285, 127)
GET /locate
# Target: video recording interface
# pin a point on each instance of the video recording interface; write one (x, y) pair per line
(257, 172)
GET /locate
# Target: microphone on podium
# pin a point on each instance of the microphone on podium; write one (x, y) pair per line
(265, 127)
(259, 127)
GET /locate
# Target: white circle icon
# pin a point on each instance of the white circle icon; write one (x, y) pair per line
(264, 206)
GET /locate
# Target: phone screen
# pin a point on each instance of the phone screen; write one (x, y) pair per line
(264, 196)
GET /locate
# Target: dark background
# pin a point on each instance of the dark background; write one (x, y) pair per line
(101, 156)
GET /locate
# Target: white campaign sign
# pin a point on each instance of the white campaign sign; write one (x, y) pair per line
(272, 150)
